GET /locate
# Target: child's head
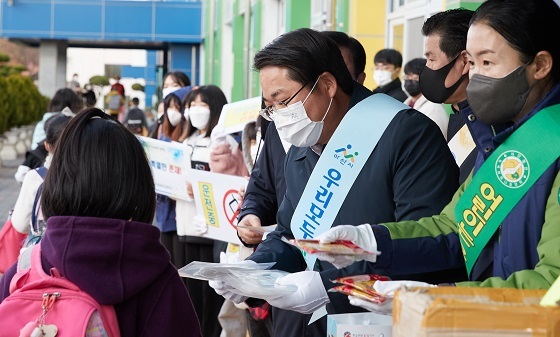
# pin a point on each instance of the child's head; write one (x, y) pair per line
(53, 129)
(173, 118)
(65, 98)
(205, 105)
(99, 170)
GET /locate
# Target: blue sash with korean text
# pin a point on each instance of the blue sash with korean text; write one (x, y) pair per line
(339, 165)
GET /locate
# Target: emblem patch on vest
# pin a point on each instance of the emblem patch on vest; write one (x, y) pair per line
(512, 169)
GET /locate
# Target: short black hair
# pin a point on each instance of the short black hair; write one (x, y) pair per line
(452, 27)
(389, 56)
(528, 27)
(179, 77)
(359, 54)
(135, 101)
(215, 98)
(414, 66)
(65, 98)
(306, 54)
(99, 169)
(90, 98)
(54, 126)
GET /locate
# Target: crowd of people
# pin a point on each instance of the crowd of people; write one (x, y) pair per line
(469, 199)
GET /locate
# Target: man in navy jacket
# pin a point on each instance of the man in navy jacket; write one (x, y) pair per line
(410, 173)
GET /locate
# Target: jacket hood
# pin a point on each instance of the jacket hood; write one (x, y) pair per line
(110, 259)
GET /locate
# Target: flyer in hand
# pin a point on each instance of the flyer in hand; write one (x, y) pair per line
(248, 279)
(340, 247)
(361, 286)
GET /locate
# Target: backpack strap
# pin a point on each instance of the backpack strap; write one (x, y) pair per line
(42, 171)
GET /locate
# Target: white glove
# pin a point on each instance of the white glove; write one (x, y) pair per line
(200, 226)
(309, 296)
(389, 287)
(385, 288)
(384, 309)
(361, 235)
(228, 292)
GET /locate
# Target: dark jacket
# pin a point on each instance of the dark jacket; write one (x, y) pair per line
(135, 118)
(393, 89)
(522, 254)
(267, 185)
(35, 158)
(410, 174)
(119, 263)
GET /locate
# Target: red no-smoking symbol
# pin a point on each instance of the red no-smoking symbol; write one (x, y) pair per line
(232, 205)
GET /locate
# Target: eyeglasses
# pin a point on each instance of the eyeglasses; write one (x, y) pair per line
(269, 111)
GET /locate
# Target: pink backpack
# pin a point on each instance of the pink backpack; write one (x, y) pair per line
(49, 305)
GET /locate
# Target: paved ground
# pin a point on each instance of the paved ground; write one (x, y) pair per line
(9, 187)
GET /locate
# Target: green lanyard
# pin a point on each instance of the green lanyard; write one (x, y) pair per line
(504, 178)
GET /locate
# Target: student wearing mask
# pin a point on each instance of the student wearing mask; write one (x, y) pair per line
(203, 106)
(174, 80)
(502, 223)
(173, 129)
(388, 63)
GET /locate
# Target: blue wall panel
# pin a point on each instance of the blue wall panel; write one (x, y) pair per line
(110, 20)
(27, 19)
(180, 59)
(134, 72)
(77, 21)
(177, 25)
(128, 20)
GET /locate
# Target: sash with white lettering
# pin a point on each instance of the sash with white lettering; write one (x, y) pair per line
(504, 178)
(340, 163)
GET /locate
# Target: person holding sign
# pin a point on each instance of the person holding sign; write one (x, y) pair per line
(173, 130)
(378, 160)
(503, 221)
(203, 107)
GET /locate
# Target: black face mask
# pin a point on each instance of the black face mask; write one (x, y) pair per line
(412, 87)
(498, 100)
(432, 83)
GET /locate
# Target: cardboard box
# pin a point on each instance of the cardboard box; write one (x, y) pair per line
(365, 324)
(458, 312)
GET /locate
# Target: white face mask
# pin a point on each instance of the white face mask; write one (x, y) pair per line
(199, 116)
(186, 113)
(295, 127)
(174, 116)
(382, 77)
(166, 91)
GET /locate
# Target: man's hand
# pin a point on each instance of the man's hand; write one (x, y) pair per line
(361, 235)
(309, 296)
(228, 292)
(248, 236)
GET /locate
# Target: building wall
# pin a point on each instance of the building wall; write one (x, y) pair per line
(250, 24)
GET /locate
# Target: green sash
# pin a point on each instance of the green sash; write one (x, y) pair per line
(504, 178)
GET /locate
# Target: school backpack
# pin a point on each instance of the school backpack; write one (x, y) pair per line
(49, 305)
(115, 101)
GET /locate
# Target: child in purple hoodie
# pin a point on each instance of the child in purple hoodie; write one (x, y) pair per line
(99, 200)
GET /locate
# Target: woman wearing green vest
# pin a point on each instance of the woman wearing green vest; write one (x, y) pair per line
(503, 223)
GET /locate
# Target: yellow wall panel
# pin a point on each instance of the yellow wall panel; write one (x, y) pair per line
(367, 24)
